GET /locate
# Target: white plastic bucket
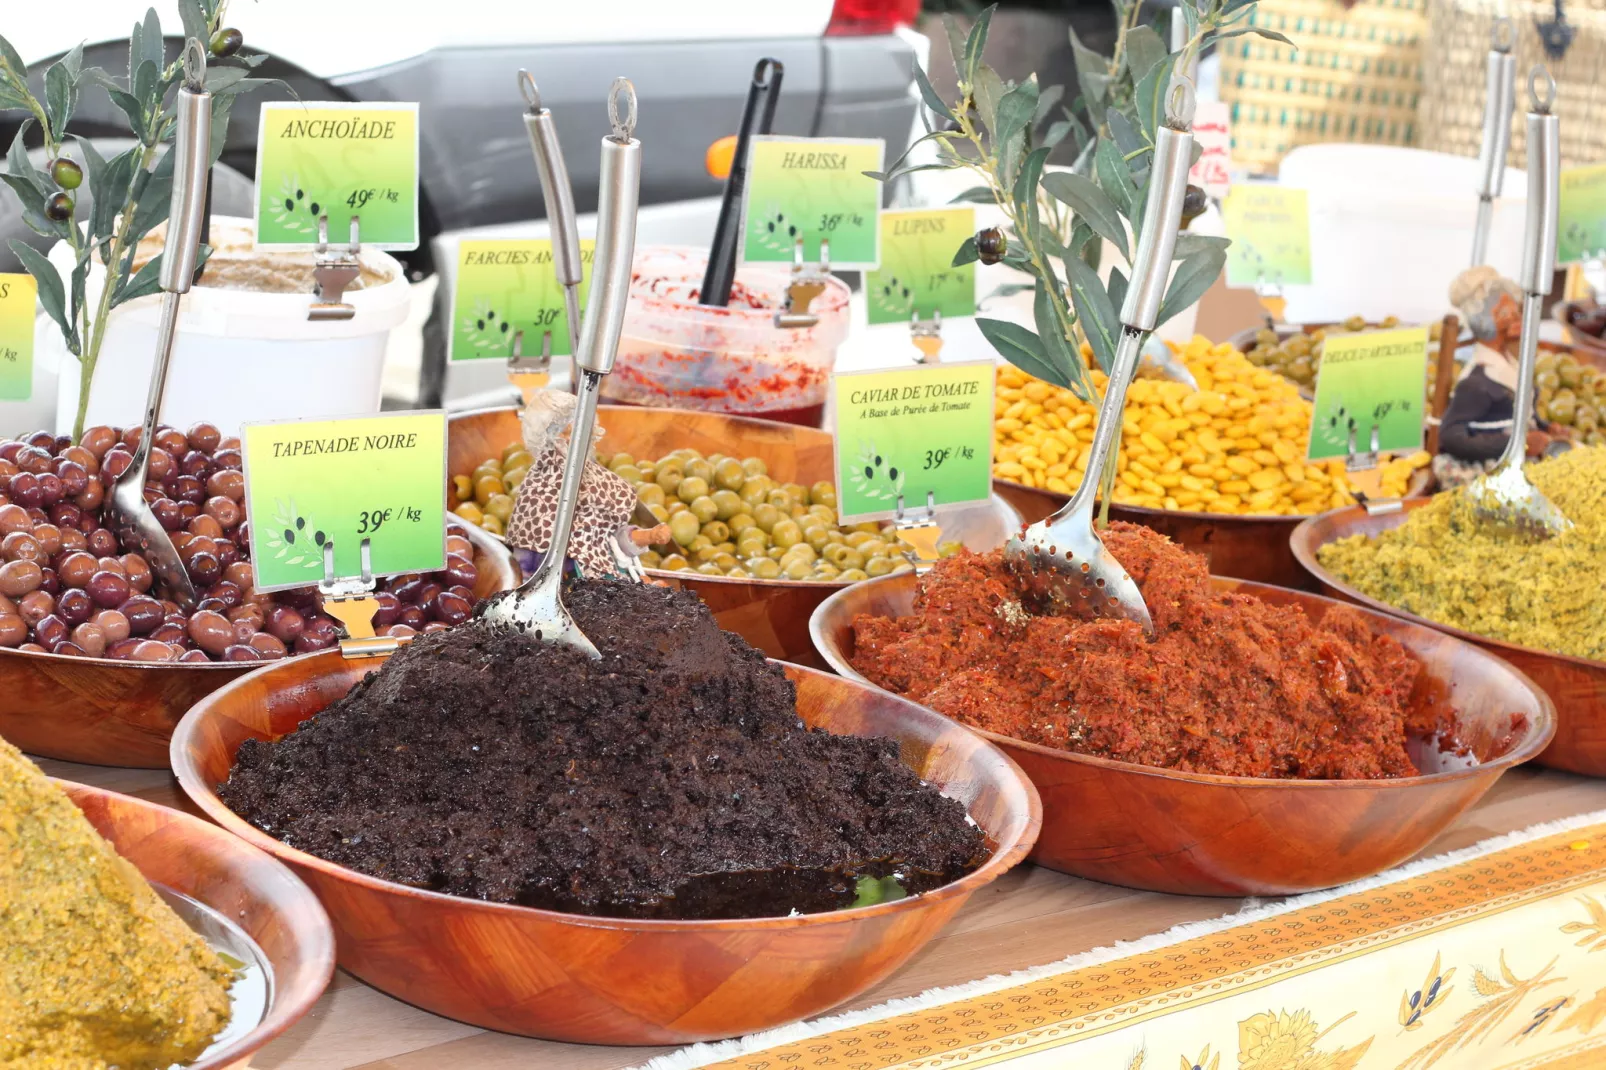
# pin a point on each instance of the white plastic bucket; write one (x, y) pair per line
(241, 356)
(1390, 228)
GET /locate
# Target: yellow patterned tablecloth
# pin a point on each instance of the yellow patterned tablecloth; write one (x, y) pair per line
(1495, 962)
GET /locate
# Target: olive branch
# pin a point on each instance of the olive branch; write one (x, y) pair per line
(131, 191)
(1004, 132)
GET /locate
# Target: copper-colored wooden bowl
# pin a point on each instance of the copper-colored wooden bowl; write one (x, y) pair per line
(1576, 685)
(253, 891)
(772, 615)
(1198, 834)
(1244, 547)
(612, 980)
(122, 713)
(1585, 345)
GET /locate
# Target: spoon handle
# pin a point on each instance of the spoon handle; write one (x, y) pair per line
(619, 191)
(558, 196)
(1498, 102)
(1538, 254)
(192, 154)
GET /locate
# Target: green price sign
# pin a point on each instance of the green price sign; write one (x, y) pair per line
(505, 287)
(1270, 231)
(815, 189)
(17, 293)
(313, 483)
(1581, 214)
(917, 276)
(337, 160)
(910, 432)
(1373, 379)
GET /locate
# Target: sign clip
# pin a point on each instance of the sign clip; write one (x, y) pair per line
(531, 373)
(350, 600)
(926, 335)
(332, 275)
(807, 284)
(920, 531)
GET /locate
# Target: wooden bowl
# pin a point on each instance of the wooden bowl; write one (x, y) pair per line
(1245, 547)
(122, 713)
(772, 615)
(1585, 345)
(1576, 685)
(611, 980)
(1198, 834)
(244, 885)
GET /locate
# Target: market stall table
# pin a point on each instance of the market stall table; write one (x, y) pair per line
(1031, 916)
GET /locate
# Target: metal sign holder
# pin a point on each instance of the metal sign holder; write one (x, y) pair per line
(333, 274)
(926, 336)
(808, 282)
(351, 601)
(919, 531)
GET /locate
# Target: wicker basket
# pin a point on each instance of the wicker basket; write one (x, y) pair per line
(1355, 77)
(1450, 116)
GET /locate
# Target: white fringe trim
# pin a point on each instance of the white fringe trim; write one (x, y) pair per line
(1252, 909)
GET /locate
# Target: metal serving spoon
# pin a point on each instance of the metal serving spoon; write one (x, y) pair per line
(1505, 498)
(1062, 558)
(127, 511)
(1499, 99)
(537, 604)
(558, 196)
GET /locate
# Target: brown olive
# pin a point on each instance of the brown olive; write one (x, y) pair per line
(20, 577)
(102, 543)
(113, 625)
(205, 525)
(35, 606)
(108, 589)
(19, 546)
(395, 631)
(223, 511)
(74, 606)
(110, 564)
(14, 518)
(24, 489)
(138, 572)
(194, 657)
(451, 608)
(97, 440)
(143, 613)
(73, 541)
(170, 439)
(89, 636)
(76, 568)
(151, 650)
(49, 538)
(13, 630)
(211, 632)
(51, 631)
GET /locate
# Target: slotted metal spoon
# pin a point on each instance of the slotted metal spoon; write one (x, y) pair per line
(127, 512)
(1062, 560)
(536, 606)
(1505, 499)
(558, 196)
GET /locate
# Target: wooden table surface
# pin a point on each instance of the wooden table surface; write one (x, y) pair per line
(1030, 917)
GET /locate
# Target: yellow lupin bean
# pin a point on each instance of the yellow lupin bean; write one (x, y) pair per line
(1237, 445)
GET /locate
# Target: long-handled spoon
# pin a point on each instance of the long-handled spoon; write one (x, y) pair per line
(559, 198)
(127, 512)
(1498, 102)
(1062, 559)
(1505, 498)
(720, 275)
(537, 605)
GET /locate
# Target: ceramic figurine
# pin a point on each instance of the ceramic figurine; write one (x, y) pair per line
(605, 540)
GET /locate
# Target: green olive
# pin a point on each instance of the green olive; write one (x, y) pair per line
(716, 530)
(824, 570)
(950, 548)
(766, 517)
(796, 570)
(675, 505)
(730, 474)
(727, 503)
(849, 559)
(755, 467)
(659, 513)
(802, 550)
(787, 534)
(763, 568)
(740, 522)
(852, 575)
(684, 527)
(674, 563)
(857, 538)
(725, 560)
(826, 513)
(755, 490)
(708, 568)
(692, 487)
(650, 559)
(780, 499)
(702, 508)
(878, 566)
(817, 536)
(669, 478)
(701, 470)
(737, 573)
(650, 494)
(704, 554)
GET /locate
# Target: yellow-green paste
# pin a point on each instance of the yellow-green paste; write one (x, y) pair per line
(1443, 565)
(95, 970)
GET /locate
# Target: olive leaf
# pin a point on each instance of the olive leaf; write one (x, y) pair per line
(988, 90)
(929, 93)
(976, 42)
(1091, 204)
(1196, 274)
(195, 21)
(1023, 349)
(1115, 178)
(1093, 310)
(967, 252)
(1053, 332)
(1143, 50)
(51, 295)
(1093, 75)
(1117, 287)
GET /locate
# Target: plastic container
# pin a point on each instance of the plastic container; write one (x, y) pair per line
(243, 355)
(677, 353)
(1391, 227)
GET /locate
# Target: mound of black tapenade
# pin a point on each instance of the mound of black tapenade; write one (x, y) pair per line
(671, 779)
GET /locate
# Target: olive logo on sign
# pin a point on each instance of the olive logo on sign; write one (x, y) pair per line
(875, 476)
(894, 297)
(776, 232)
(293, 209)
(487, 330)
(292, 540)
